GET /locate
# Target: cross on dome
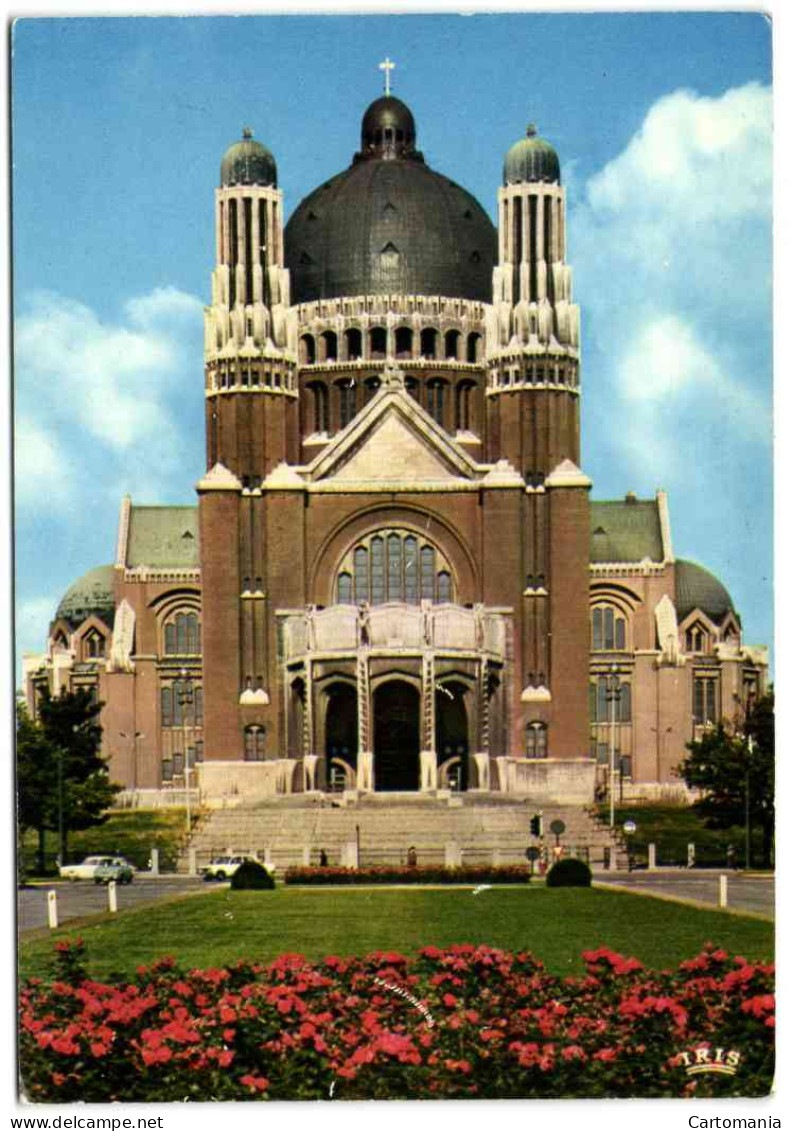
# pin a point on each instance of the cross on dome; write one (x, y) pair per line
(387, 66)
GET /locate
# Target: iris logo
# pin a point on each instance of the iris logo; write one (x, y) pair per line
(698, 1062)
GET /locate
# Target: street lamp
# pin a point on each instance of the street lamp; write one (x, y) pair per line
(184, 694)
(613, 695)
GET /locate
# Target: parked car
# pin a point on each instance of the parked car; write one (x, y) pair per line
(222, 867)
(116, 869)
(86, 870)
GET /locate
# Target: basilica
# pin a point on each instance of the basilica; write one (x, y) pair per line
(395, 579)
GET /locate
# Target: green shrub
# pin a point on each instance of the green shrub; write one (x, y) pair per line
(252, 876)
(569, 873)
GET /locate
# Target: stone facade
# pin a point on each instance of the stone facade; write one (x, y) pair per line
(394, 579)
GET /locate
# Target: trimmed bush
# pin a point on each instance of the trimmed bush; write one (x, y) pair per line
(252, 876)
(429, 874)
(569, 873)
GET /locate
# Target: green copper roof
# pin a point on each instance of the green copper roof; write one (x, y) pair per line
(625, 530)
(697, 588)
(91, 595)
(531, 159)
(248, 162)
(163, 538)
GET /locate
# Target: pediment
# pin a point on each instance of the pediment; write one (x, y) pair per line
(393, 440)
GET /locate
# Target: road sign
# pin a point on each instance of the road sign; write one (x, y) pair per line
(557, 827)
(629, 827)
(532, 853)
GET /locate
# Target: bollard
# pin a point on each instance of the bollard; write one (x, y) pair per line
(652, 857)
(606, 857)
(52, 909)
(723, 892)
(691, 856)
(192, 862)
(155, 861)
(112, 897)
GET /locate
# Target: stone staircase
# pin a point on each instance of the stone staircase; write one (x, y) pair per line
(486, 828)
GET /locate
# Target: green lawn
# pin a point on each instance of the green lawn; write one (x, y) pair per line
(672, 827)
(219, 927)
(131, 833)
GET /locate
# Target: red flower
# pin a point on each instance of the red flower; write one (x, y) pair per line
(255, 1083)
(605, 1054)
(157, 1056)
(449, 1000)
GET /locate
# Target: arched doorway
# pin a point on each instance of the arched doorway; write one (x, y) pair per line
(452, 735)
(341, 736)
(396, 737)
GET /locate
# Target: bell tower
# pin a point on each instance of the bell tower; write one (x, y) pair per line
(533, 418)
(250, 338)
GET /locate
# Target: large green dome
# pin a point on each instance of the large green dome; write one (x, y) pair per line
(531, 159)
(248, 162)
(91, 595)
(697, 588)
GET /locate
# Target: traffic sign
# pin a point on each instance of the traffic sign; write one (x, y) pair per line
(532, 853)
(557, 827)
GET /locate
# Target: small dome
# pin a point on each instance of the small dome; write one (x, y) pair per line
(387, 127)
(697, 588)
(248, 162)
(531, 159)
(91, 595)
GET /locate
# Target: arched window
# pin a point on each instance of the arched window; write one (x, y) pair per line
(394, 565)
(404, 342)
(329, 346)
(697, 639)
(452, 345)
(371, 387)
(94, 645)
(307, 350)
(608, 629)
(354, 344)
(183, 635)
(463, 398)
(166, 706)
(435, 400)
(413, 388)
(429, 342)
(378, 342)
(705, 700)
(347, 403)
(536, 740)
(473, 348)
(255, 743)
(321, 417)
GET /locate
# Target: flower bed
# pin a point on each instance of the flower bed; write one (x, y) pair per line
(427, 874)
(467, 1021)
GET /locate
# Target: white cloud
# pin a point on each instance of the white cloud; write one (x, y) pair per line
(672, 249)
(33, 618)
(42, 473)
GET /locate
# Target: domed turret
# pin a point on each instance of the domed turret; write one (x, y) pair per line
(248, 162)
(389, 224)
(388, 130)
(531, 159)
(697, 588)
(91, 595)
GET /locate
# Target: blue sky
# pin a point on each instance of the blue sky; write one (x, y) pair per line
(663, 126)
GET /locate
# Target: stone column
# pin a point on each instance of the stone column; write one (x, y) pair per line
(428, 746)
(365, 757)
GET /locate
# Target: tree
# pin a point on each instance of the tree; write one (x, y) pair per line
(734, 767)
(62, 779)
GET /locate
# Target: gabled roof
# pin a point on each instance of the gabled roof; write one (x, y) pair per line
(625, 530)
(393, 439)
(163, 538)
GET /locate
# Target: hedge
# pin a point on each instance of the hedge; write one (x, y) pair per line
(427, 874)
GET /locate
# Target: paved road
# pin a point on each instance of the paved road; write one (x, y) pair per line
(745, 893)
(87, 898)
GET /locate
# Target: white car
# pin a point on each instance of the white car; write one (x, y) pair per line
(223, 867)
(86, 869)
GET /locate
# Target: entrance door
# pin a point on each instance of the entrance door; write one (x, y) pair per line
(341, 736)
(396, 737)
(452, 734)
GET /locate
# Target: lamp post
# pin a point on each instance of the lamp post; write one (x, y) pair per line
(185, 698)
(612, 695)
(748, 803)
